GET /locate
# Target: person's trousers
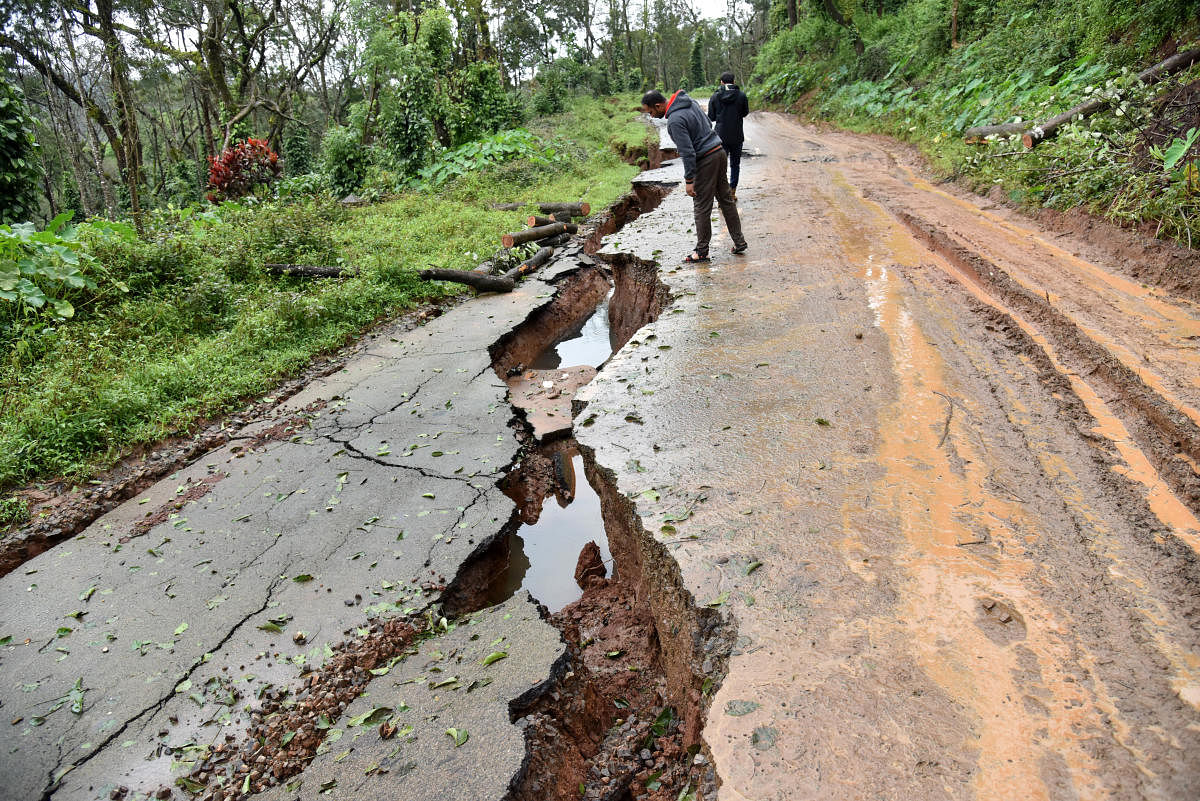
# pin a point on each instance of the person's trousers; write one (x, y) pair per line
(734, 152)
(712, 182)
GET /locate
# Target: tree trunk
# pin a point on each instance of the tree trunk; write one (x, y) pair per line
(126, 109)
(1163, 69)
(954, 23)
(490, 283)
(483, 283)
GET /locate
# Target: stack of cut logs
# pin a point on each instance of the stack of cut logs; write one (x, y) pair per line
(548, 232)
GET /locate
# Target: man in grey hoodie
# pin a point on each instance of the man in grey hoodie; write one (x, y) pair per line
(704, 167)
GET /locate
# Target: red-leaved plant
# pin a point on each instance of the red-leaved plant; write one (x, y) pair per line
(240, 168)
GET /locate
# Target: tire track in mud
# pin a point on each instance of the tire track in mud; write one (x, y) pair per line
(1167, 437)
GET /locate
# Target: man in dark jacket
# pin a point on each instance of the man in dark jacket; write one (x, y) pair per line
(704, 166)
(726, 108)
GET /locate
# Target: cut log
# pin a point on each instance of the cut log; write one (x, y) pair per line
(535, 261)
(574, 209)
(1163, 69)
(509, 206)
(532, 234)
(484, 283)
(554, 241)
(537, 221)
(310, 271)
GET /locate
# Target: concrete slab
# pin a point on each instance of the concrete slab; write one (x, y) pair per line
(442, 685)
(387, 492)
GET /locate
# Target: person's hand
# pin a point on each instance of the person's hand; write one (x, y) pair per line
(690, 188)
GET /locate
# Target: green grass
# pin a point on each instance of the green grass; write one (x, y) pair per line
(203, 328)
(911, 83)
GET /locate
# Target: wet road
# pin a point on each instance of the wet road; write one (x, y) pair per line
(939, 466)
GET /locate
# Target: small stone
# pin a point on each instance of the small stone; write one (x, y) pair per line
(699, 759)
(644, 754)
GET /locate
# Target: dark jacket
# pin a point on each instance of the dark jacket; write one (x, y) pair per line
(690, 130)
(726, 108)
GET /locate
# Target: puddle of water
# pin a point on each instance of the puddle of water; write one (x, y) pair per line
(542, 555)
(588, 343)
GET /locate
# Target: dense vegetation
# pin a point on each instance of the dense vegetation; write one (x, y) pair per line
(925, 70)
(183, 322)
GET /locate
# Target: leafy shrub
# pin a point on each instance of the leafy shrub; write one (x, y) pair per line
(18, 165)
(497, 149)
(279, 233)
(477, 104)
(300, 186)
(343, 159)
(550, 97)
(297, 152)
(41, 270)
(241, 169)
(405, 127)
(13, 511)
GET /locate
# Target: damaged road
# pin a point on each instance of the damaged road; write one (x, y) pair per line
(901, 504)
(936, 464)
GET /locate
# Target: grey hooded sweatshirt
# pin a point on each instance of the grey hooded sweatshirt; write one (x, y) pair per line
(690, 130)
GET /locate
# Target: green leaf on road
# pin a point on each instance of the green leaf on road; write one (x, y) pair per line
(271, 626)
(494, 656)
(83, 596)
(750, 568)
(459, 736)
(76, 696)
(370, 717)
(302, 578)
(719, 600)
(180, 629)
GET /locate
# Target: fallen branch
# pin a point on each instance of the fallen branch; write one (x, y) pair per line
(1032, 136)
(310, 271)
(1163, 69)
(980, 132)
(532, 234)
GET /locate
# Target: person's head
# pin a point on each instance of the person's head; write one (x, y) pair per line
(654, 104)
(726, 77)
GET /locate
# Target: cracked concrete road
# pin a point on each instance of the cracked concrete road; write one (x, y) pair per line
(954, 526)
(370, 510)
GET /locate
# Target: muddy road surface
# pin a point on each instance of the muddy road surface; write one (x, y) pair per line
(938, 465)
(902, 504)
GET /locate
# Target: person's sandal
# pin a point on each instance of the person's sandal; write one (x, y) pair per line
(694, 258)
(740, 249)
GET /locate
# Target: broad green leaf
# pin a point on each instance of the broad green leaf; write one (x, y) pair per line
(494, 656)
